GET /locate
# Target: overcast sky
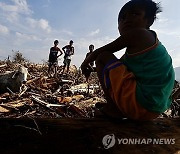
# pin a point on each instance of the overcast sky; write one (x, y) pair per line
(31, 26)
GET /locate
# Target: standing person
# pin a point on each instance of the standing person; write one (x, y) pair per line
(89, 69)
(53, 55)
(139, 85)
(68, 51)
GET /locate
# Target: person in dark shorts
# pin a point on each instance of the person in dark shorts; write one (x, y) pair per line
(89, 69)
(53, 56)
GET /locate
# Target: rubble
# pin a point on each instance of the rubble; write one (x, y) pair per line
(67, 95)
(45, 97)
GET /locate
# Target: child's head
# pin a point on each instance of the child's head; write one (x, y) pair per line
(133, 7)
(56, 42)
(71, 42)
(91, 47)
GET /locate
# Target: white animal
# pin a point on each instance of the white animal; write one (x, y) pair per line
(13, 80)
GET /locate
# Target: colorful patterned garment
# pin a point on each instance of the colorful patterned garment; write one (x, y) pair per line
(141, 86)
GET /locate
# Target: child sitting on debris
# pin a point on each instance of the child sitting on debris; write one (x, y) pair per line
(139, 85)
(53, 55)
(89, 69)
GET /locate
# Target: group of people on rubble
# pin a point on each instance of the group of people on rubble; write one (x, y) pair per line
(68, 50)
(53, 55)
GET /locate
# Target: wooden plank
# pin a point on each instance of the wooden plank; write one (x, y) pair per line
(85, 135)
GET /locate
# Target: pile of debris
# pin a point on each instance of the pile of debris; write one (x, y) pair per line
(67, 95)
(174, 110)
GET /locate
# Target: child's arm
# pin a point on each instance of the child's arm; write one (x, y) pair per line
(60, 53)
(64, 49)
(49, 53)
(135, 40)
(72, 53)
(112, 47)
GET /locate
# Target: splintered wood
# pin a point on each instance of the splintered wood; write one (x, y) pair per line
(67, 95)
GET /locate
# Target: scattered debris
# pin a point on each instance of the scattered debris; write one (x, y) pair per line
(67, 95)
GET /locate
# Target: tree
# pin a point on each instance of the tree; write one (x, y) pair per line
(18, 57)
